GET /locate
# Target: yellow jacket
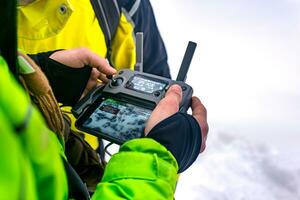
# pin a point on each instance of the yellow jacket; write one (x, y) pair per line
(48, 25)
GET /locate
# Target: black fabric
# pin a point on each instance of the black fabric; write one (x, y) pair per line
(155, 54)
(127, 4)
(8, 37)
(112, 14)
(84, 159)
(181, 135)
(76, 188)
(108, 16)
(66, 82)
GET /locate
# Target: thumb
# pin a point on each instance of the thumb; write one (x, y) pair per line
(168, 106)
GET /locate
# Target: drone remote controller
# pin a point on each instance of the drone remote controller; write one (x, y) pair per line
(119, 110)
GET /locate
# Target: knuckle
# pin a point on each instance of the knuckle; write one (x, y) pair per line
(95, 73)
(83, 51)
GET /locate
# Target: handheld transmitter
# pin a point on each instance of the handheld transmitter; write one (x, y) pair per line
(119, 110)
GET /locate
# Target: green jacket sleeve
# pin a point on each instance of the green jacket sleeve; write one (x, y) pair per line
(143, 169)
(16, 176)
(34, 149)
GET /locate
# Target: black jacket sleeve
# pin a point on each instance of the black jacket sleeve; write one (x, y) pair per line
(67, 83)
(181, 135)
(155, 55)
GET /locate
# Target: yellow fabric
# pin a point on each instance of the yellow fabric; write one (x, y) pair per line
(92, 140)
(123, 46)
(47, 25)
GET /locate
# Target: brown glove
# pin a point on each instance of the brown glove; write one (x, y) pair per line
(38, 87)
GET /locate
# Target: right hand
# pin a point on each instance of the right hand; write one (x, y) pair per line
(200, 114)
(80, 57)
(169, 105)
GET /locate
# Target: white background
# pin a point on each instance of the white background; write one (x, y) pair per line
(246, 71)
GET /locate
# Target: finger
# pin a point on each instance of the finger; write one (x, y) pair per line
(93, 80)
(170, 103)
(175, 92)
(103, 78)
(93, 60)
(200, 114)
(168, 106)
(95, 74)
(198, 109)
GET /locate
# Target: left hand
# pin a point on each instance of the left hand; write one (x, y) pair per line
(80, 57)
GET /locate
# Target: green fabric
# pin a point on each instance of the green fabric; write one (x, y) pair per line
(16, 176)
(31, 166)
(31, 157)
(143, 169)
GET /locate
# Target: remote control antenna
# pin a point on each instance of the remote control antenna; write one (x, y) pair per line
(139, 51)
(185, 64)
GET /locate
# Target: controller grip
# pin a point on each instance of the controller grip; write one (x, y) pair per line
(187, 93)
(87, 100)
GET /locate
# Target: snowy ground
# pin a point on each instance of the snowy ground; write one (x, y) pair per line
(246, 71)
(235, 169)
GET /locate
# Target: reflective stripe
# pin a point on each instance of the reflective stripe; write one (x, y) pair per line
(134, 7)
(128, 18)
(117, 6)
(104, 20)
(25, 67)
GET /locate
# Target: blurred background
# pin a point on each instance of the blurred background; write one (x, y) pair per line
(246, 71)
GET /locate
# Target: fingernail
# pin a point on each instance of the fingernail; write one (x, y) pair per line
(177, 89)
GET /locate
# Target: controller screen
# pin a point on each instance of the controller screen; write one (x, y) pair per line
(119, 120)
(146, 85)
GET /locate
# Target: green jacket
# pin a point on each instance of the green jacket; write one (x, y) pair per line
(143, 169)
(31, 166)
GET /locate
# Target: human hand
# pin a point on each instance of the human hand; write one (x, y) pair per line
(169, 105)
(80, 57)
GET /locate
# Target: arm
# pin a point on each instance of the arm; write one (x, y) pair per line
(72, 73)
(143, 168)
(148, 167)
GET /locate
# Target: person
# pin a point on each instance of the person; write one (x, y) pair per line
(28, 140)
(48, 26)
(138, 180)
(31, 166)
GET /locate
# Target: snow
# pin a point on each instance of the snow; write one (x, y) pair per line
(233, 168)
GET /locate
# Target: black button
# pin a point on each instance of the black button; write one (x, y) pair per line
(183, 88)
(117, 81)
(156, 93)
(121, 72)
(130, 85)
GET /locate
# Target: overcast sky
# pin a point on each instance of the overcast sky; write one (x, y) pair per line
(247, 66)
